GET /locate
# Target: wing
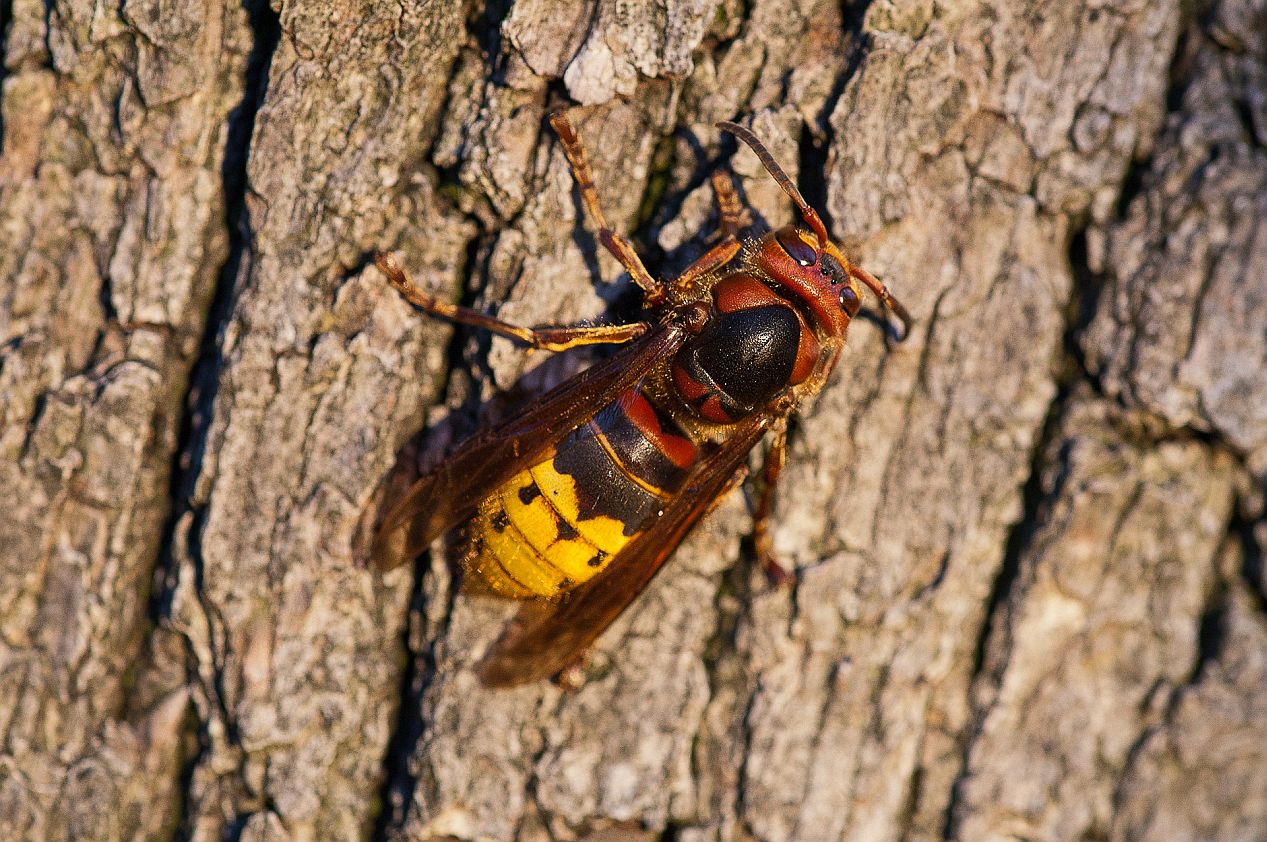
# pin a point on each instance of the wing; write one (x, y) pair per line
(453, 490)
(546, 637)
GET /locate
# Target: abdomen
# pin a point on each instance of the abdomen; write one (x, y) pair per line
(560, 522)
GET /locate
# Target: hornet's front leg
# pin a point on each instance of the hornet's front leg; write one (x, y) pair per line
(620, 247)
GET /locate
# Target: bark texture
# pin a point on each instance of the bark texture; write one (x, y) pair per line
(1031, 598)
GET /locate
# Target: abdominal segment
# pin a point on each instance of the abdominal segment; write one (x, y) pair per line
(560, 522)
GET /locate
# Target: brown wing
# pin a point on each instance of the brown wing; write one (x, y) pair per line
(544, 637)
(453, 490)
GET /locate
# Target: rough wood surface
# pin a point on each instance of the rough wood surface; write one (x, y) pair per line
(113, 219)
(1031, 598)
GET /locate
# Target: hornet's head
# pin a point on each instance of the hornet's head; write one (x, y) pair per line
(804, 260)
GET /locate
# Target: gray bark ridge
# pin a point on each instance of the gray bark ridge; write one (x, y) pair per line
(115, 123)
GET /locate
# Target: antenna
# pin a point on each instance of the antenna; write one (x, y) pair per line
(810, 215)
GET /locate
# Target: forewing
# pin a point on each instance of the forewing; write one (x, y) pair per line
(453, 490)
(546, 637)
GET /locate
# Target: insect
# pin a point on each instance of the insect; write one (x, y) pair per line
(574, 503)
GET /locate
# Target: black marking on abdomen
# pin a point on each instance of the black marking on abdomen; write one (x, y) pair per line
(602, 488)
(567, 532)
(637, 453)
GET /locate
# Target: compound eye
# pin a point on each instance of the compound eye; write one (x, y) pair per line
(796, 248)
(850, 301)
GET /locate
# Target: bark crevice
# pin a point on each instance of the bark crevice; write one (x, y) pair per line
(204, 380)
(186, 519)
(6, 17)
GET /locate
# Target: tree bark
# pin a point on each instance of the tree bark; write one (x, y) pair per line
(1030, 598)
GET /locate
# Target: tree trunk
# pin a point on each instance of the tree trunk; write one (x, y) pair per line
(1030, 597)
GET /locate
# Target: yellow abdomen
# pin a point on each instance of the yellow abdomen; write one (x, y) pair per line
(560, 522)
(531, 537)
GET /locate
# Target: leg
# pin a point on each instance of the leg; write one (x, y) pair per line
(731, 212)
(618, 245)
(548, 338)
(729, 208)
(713, 259)
(775, 456)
